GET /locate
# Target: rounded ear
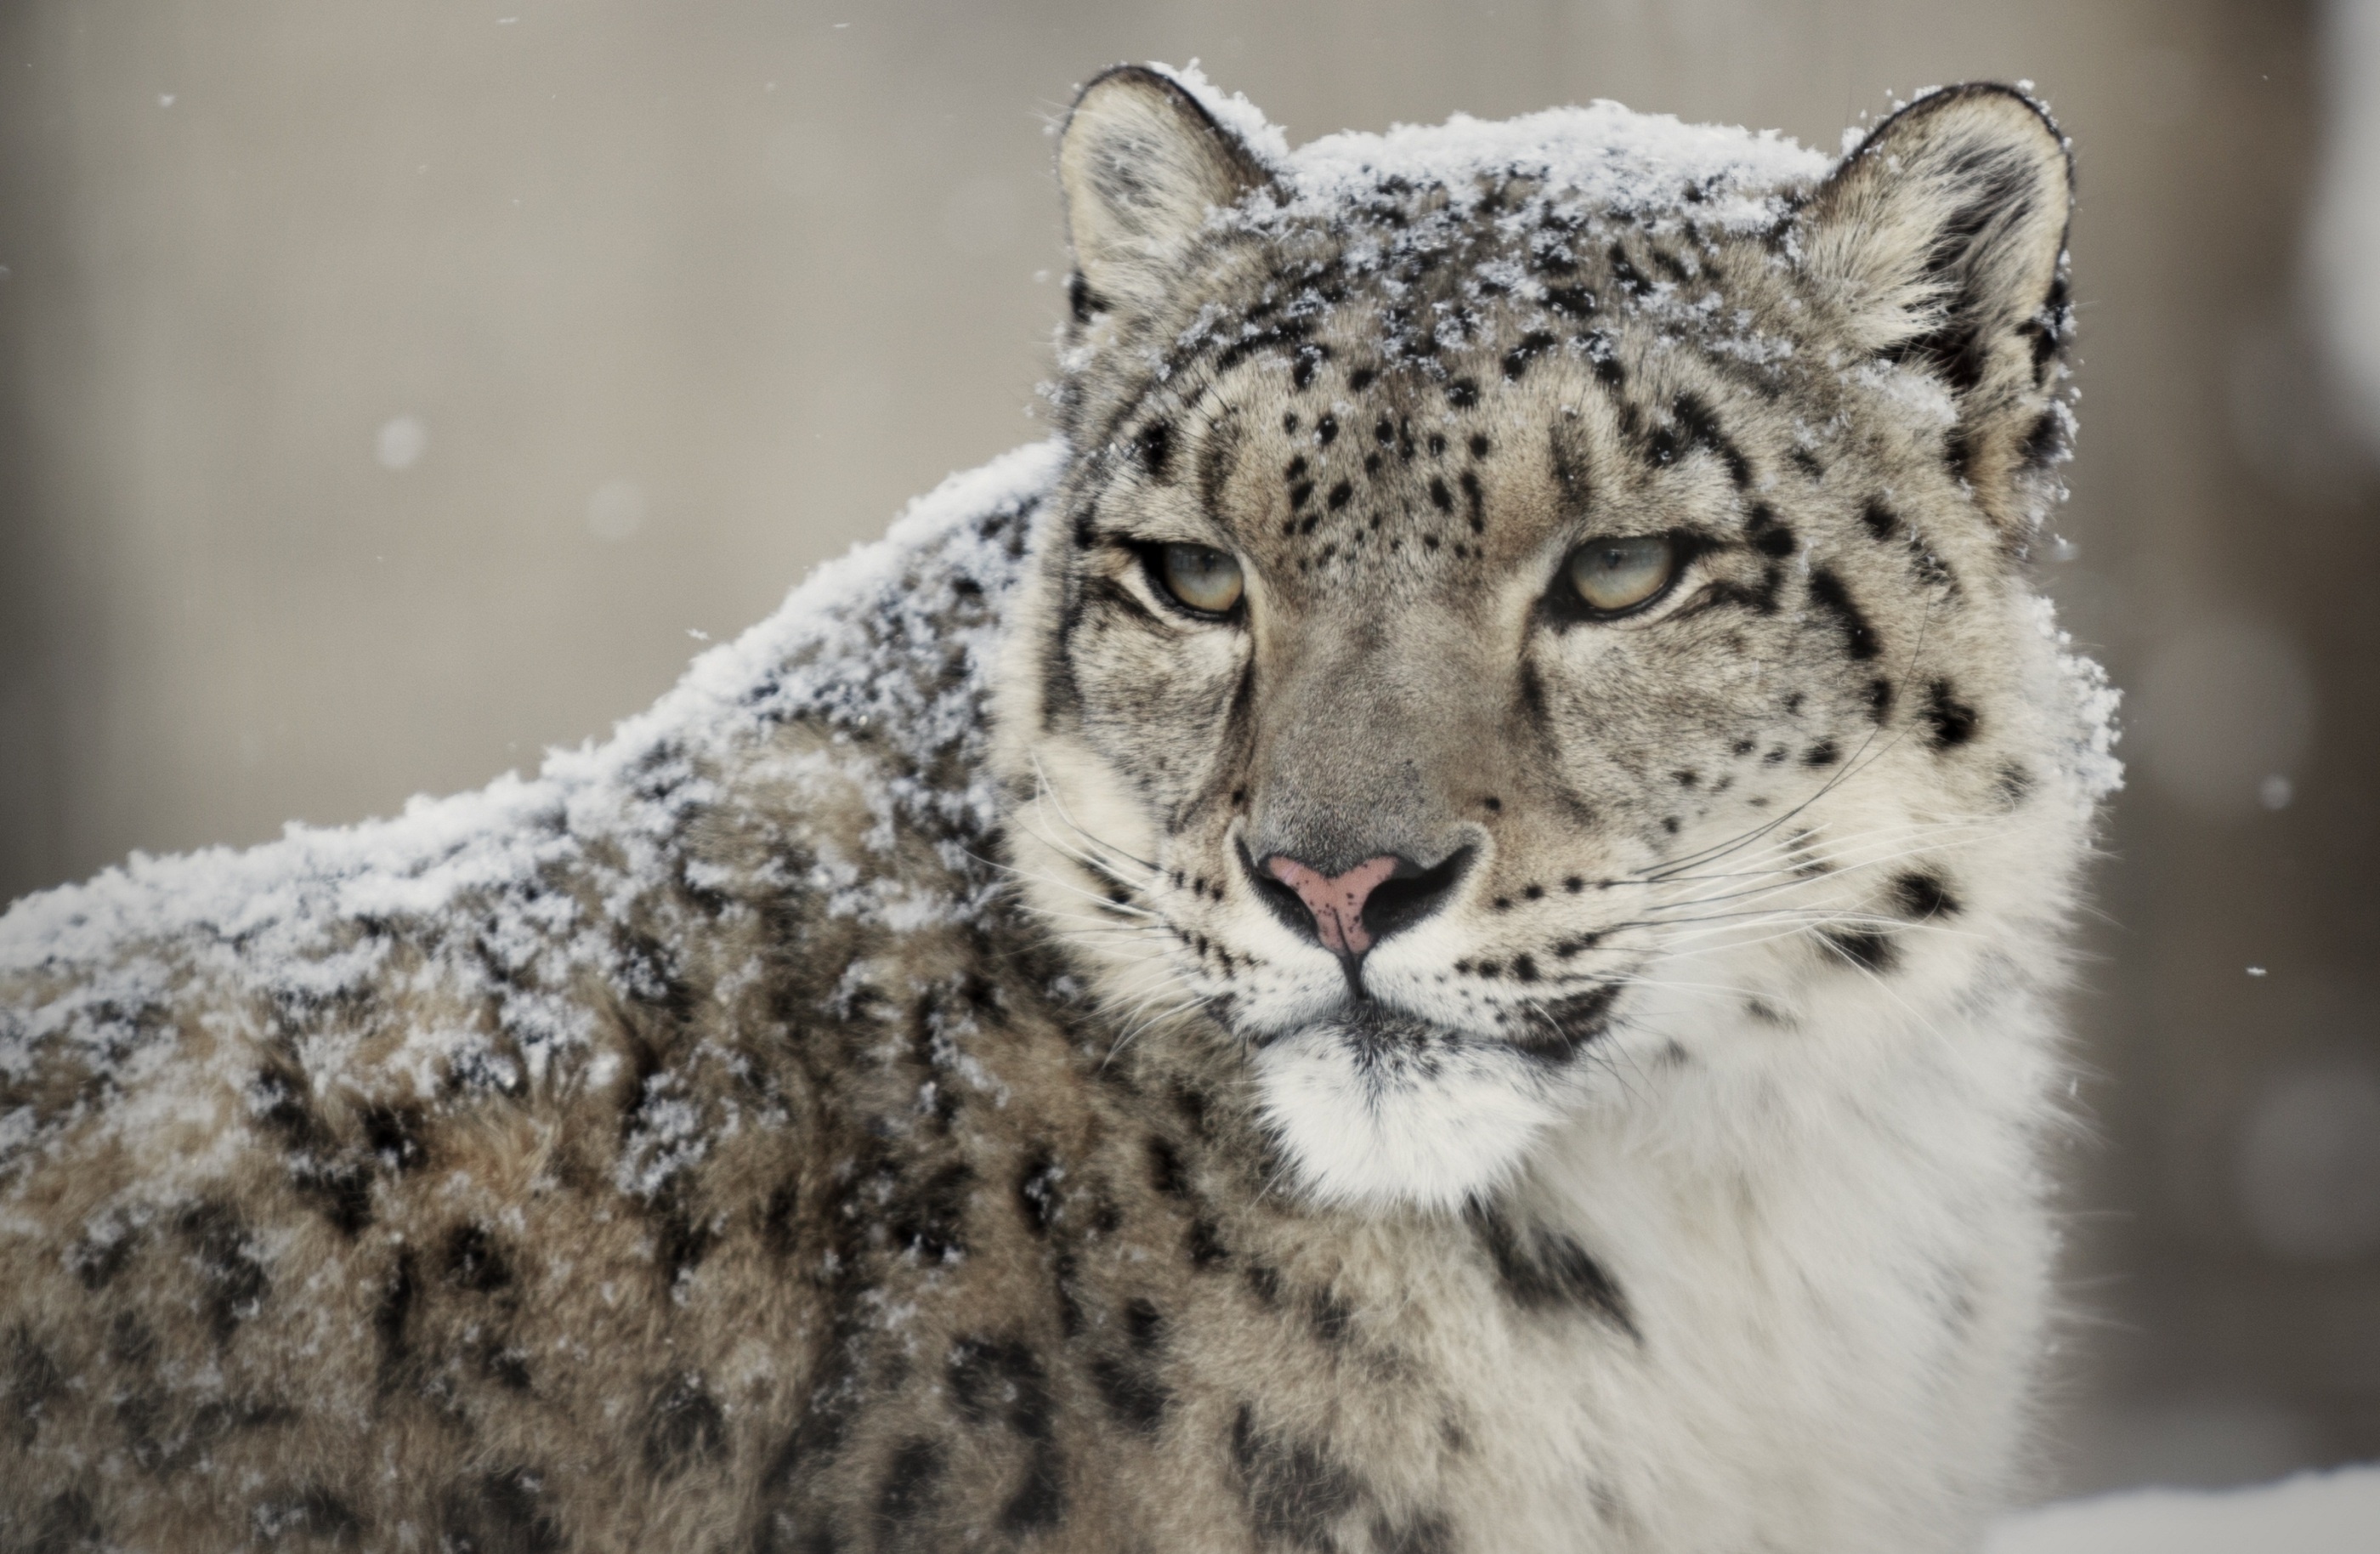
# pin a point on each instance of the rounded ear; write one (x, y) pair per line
(1942, 237)
(1952, 211)
(1140, 163)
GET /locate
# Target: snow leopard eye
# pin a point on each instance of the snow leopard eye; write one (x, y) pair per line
(1202, 577)
(1616, 576)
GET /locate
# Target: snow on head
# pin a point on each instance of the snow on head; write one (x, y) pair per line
(1603, 155)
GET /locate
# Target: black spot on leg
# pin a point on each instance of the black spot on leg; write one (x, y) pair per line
(912, 1481)
(498, 1513)
(395, 1305)
(1037, 1192)
(1879, 699)
(1333, 1319)
(1823, 753)
(683, 1426)
(475, 1262)
(1041, 1500)
(1340, 494)
(1204, 1242)
(1531, 346)
(1462, 393)
(234, 1280)
(1326, 430)
(1165, 1172)
(1474, 499)
(1576, 302)
(1136, 1397)
(69, 1523)
(1427, 1533)
(1881, 521)
(1958, 450)
(1000, 1381)
(393, 1134)
(322, 1518)
(33, 1381)
(683, 1241)
(97, 1258)
(2046, 441)
(1295, 1494)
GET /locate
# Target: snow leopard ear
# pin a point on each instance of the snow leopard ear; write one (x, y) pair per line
(1943, 237)
(1141, 162)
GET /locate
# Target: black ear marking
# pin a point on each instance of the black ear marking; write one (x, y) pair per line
(1941, 241)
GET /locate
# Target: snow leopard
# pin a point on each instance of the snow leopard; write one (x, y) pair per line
(1434, 929)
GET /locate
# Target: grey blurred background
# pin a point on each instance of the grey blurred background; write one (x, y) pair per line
(391, 389)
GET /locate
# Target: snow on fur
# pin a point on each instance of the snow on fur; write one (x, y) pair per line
(270, 918)
(1602, 155)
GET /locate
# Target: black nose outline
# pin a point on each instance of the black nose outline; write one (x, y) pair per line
(1410, 894)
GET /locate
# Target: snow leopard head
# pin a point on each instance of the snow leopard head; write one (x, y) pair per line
(1531, 599)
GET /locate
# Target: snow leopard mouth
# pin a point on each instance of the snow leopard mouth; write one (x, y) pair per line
(1391, 1044)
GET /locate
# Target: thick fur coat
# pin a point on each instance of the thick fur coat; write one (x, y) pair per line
(913, 1090)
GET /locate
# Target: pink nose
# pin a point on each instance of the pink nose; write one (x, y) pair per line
(1337, 902)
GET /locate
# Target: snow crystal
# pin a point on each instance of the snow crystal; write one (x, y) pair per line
(2091, 747)
(400, 442)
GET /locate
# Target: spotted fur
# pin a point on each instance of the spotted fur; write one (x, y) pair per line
(874, 1104)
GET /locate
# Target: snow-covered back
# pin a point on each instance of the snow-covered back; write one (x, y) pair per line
(857, 645)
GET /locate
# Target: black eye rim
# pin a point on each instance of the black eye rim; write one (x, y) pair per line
(1564, 606)
(1152, 565)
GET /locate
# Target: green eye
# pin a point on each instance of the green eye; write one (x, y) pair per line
(1201, 576)
(1616, 575)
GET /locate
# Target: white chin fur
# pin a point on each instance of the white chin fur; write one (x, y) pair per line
(1374, 1129)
